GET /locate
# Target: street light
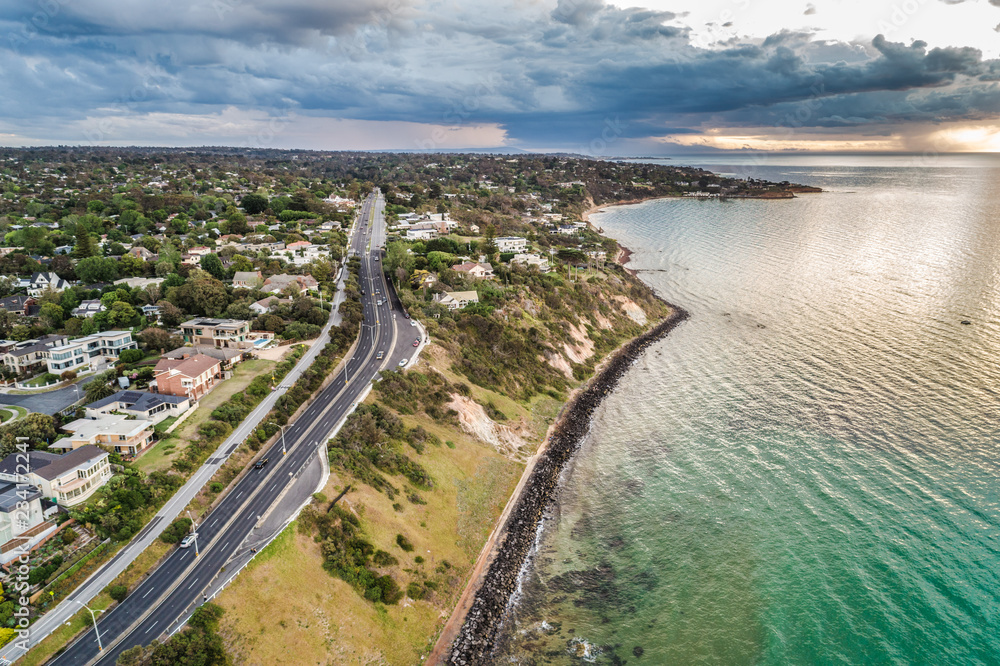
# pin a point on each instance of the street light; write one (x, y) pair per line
(283, 440)
(100, 648)
(194, 531)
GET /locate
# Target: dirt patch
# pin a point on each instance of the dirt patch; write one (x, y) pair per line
(632, 309)
(559, 362)
(584, 347)
(472, 416)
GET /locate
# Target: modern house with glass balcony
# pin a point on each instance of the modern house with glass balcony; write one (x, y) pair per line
(88, 352)
(218, 333)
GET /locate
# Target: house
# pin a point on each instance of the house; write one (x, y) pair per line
(264, 305)
(125, 436)
(28, 356)
(199, 251)
(247, 279)
(152, 407)
(422, 231)
(142, 253)
(73, 477)
(22, 516)
(229, 357)
(566, 229)
(18, 304)
(138, 282)
(151, 312)
(219, 333)
(474, 269)
(88, 352)
(531, 260)
(278, 283)
(512, 244)
(42, 282)
(192, 377)
(88, 308)
(456, 300)
(298, 245)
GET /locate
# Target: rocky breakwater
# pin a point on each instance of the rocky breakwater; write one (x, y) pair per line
(475, 640)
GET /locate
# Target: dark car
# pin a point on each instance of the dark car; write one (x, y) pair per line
(406, 314)
(260, 463)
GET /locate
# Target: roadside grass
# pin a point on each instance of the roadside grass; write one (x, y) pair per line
(286, 601)
(163, 454)
(62, 636)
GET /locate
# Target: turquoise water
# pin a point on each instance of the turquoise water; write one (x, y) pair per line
(806, 471)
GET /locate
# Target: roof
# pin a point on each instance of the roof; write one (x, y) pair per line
(108, 424)
(463, 295)
(11, 494)
(215, 323)
(85, 455)
(246, 276)
(15, 302)
(138, 401)
(190, 367)
(36, 460)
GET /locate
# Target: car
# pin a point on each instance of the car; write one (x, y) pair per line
(403, 362)
(380, 355)
(416, 343)
(376, 258)
(412, 323)
(406, 314)
(189, 539)
(260, 463)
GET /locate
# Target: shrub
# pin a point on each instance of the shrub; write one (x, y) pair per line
(69, 535)
(68, 375)
(118, 592)
(216, 487)
(404, 543)
(418, 559)
(415, 591)
(384, 559)
(131, 356)
(176, 531)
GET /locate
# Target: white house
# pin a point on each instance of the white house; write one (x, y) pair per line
(512, 244)
(42, 282)
(88, 352)
(456, 300)
(72, 478)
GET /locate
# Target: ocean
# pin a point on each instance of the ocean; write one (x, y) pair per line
(806, 471)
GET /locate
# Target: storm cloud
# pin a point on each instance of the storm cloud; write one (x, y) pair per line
(552, 74)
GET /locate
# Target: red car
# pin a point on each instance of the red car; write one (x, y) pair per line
(416, 343)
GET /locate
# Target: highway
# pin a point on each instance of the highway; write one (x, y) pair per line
(169, 591)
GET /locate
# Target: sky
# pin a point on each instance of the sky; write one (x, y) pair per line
(587, 76)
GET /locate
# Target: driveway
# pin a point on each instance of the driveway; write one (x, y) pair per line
(48, 402)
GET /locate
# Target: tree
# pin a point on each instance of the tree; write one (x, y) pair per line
(118, 592)
(237, 222)
(489, 247)
(241, 263)
(122, 315)
(100, 388)
(201, 295)
(52, 314)
(254, 204)
(97, 269)
(156, 339)
(211, 263)
(170, 314)
(85, 245)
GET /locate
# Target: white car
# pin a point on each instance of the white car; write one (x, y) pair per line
(188, 540)
(403, 362)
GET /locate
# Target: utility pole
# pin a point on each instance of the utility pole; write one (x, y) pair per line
(283, 440)
(93, 617)
(194, 531)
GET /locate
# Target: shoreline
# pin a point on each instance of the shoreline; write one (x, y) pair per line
(469, 635)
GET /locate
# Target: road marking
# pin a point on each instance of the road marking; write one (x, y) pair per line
(151, 626)
(147, 593)
(192, 583)
(213, 522)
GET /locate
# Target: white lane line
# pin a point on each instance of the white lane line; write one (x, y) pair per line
(148, 593)
(151, 626)
(192, 583)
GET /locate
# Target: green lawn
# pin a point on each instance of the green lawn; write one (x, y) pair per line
(9, 412)
(162, 456)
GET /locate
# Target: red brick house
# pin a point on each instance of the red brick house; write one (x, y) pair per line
(191, 377)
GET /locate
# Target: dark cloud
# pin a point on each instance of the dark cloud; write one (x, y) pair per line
(553, 74)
